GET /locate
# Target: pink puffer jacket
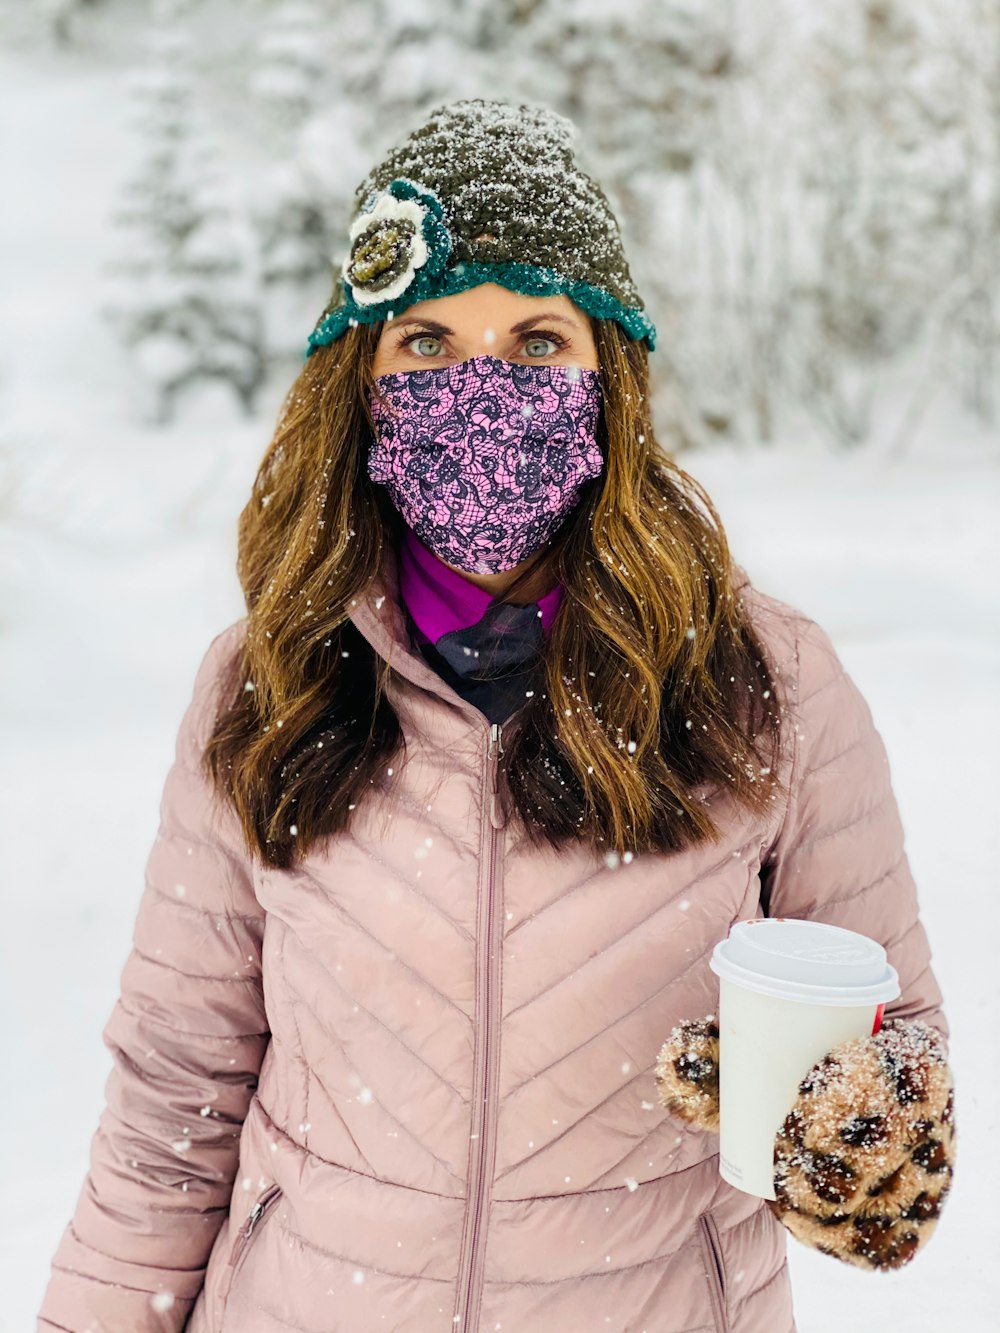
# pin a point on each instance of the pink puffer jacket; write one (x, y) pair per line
(408, 1086)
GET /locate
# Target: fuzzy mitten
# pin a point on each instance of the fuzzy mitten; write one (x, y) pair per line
(687, 1072)
(865, 1157)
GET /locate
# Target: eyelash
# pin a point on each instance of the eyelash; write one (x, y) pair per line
(559, 341)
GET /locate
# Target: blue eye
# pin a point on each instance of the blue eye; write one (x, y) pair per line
(539, 338)
(422, 337)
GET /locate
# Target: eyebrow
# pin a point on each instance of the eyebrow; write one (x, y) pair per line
(521, 327)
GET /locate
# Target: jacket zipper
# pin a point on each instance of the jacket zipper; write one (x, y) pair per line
(246, 1230)
(483, 1128)
(716, 1270)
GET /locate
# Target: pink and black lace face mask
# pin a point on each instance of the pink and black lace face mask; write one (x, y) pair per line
(486, 458)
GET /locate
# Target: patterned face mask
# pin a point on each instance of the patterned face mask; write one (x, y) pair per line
(485, 459)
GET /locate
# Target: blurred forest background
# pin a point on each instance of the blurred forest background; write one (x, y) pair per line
(810, 194)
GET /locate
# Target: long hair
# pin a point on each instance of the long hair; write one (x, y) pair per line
(656, 693)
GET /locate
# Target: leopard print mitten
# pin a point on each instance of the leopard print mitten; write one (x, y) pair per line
(864, 1158)
(687, 1072)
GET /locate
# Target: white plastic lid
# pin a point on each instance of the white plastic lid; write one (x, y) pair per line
(806, 960)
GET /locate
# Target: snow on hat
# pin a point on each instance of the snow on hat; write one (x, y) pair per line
(482, 191)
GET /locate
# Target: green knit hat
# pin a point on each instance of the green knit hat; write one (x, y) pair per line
(482, 191)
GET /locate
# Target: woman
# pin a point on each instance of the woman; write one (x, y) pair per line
(503, 746)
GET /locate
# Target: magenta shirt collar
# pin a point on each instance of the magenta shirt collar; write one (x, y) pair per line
(441, 600)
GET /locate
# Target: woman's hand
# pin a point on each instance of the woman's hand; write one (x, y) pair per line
(865, 1157)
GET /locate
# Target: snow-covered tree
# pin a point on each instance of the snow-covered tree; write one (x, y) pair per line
(186, 299)
(292, 59)
(63, 16)
(883, 153)
(966, 323)
(808, 195)
(884, 182)
(388, 64)
(295, 239)
(294, 78)
(645, 83)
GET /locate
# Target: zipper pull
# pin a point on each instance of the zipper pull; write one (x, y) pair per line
(253, 1217)
(255, 1213)
(493, 754)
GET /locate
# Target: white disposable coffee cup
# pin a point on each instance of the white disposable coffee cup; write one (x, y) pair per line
(789, 991)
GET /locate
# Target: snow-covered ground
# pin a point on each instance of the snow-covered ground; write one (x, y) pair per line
(117, 568)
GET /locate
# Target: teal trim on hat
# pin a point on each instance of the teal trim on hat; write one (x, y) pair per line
(528, 279)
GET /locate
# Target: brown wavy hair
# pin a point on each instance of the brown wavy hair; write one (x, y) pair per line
(656, 691)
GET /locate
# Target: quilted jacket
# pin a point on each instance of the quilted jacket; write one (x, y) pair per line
(407, 1086)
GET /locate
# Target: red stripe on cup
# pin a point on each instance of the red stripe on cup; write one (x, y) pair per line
(878, 1018)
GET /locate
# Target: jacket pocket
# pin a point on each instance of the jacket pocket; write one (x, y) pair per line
(715, 1264)
(262, 1209)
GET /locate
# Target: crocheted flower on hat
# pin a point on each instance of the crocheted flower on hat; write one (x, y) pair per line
(400, 231)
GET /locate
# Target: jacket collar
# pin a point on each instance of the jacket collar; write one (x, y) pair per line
(378, 613)
(441, 600)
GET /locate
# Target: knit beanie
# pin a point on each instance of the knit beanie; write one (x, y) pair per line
(482, 191)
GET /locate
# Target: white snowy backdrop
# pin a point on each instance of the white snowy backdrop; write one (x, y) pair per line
(811, 205)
